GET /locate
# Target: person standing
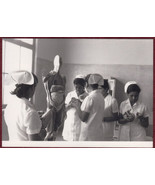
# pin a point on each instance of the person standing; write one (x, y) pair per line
(72, 123)
(21, 117)
(134, 117)
(91, 112)
(110, 112)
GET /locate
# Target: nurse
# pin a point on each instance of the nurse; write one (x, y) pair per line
(134, 117)
(91, 112)
(110, 112)
(72, 124)
(22, 119)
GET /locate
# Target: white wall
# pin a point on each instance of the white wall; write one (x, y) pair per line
(123, 59)
(98, 51)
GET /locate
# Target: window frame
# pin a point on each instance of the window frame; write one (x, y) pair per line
(21, 44)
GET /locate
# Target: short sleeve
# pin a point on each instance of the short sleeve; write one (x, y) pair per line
(68, 98)
(145, 111)
(121, 108)
(33, 123)
(114, 106)
(87, 104)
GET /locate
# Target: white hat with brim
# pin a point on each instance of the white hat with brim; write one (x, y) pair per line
(128, 84)
(19, 77)
(95, 79)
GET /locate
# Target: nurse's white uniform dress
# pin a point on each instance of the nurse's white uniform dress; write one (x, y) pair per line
(133, 131)
(22, 119)
(92, 129)
(72, 123)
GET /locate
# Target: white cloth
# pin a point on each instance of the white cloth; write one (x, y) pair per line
(72, 123)
(22, 119)
(133, 131)
(94, 105)
(111, 106)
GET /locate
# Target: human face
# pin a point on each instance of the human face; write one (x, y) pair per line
(79, 89)
(133, 97)
(104, 91)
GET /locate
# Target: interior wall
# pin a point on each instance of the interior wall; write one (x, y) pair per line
(98, 51)
(123, 59)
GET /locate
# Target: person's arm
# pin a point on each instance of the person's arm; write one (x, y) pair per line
(125, 119)
(46, 118)
(34, 137)
(83, 115)
(144, 121)
(111, 119)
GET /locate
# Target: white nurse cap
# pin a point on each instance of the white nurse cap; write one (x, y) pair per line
(96, 79)
(80, 76)
(128, 84)
(19, 77)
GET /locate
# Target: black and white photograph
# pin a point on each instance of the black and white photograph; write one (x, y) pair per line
(77, 92)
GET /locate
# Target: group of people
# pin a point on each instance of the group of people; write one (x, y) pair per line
(94, 116)
(90, 112)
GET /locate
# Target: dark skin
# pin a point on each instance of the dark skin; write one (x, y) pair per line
(79, 90)
(133, 98)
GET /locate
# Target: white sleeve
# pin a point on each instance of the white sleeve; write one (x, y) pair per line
(33, 123)
(121, 108)
(68, 98)
(87, 104)
(145, 112)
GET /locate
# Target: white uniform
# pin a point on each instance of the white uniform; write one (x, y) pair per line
(72, 124)
(111, 106)
(92, 129)
(22, 119)
(133, 131)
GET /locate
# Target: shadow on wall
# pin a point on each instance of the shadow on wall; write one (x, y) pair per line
(119, 88)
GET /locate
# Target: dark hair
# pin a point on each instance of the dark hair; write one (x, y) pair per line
(21, 90)
(79, 81)
(94, 86)
(106, 84)
(133, 88)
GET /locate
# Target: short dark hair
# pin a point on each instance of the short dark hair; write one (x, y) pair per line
(106, 84)
(79, 81)
(133, 88)
(22, 89)
(94, 86)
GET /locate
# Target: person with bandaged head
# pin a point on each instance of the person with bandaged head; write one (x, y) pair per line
(91, 111)
(22, 119)
(134, 117)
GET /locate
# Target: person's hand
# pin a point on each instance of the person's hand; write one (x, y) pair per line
(140, 117)
(131, 117)
(75, 103)
(128, 116)
(40, 113)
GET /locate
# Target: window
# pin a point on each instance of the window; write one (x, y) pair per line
(17, 54)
